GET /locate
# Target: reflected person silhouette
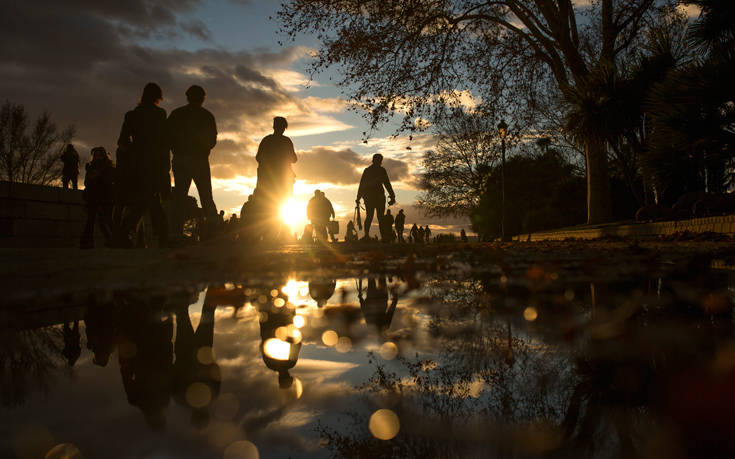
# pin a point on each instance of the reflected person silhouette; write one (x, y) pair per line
(374, 304)
(321, 290)
(280, 340)
(100, 324)
(197, 375)
(146, 360)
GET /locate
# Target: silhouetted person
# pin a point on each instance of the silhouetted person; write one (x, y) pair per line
(192, 133)
(374, 178)
(275, 175)
(463, 235)
(427, 234)
(70, 172)
(321, 291)
(72, 343)
(146, 360)
(374, 304)
(386, 227)
(319, 211)
(400, 224)
(415, 234)
(100, 324)
(143, 142)
(99, 192)
(253, 217)
(284, 356)
(351, 232)
(195, 361)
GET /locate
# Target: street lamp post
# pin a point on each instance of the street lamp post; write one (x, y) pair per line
(502, 131)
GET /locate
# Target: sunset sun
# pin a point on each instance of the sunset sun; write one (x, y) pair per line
(293, 213)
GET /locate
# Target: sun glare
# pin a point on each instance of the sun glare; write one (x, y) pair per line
(293, 213)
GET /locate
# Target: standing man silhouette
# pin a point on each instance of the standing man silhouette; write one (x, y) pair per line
(374, 178)
(319, 210)
(142, 142)
(400, 223)
(192, 133)
(275, 175)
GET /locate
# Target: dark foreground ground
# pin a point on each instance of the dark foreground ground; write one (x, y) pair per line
(559, 349)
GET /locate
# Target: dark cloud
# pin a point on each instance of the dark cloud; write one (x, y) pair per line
(342, 167)
(79, 60)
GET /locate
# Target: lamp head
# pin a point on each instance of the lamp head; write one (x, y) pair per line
(502, 129)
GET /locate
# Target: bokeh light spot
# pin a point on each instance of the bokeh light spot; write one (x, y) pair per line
(64, 451)
(330, 337)
(299, 321)
(530, 314)
(279, 302)
(205, 355)
(344, 344)
(277, 349)
(388, 350)
(384, 424)
(242, 450)
(198, 395)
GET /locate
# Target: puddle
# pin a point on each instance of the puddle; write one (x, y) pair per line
(490, 366)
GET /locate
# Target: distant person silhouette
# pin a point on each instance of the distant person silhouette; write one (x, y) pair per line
(351, 232)
(374, 305)
(427, 234)
(72, 343)
(374, 178)
(415, 234)
(400, 224)
(192, 133)
(195, 362)
(143, 142)
(319, 211)
(386, 227)
(70, 172)
(99, 192)
(463, 235)
(275, 175)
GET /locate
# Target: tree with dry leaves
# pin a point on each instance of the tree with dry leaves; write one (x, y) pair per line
(412, 56)
(30, 153)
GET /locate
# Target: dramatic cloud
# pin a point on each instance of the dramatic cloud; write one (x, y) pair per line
(342, 167)
(83, 62)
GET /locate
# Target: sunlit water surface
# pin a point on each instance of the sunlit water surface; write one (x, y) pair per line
(377, 367)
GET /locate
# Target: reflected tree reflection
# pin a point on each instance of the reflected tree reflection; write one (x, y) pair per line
(29, 360)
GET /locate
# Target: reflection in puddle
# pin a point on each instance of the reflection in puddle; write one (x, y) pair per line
(373, 367)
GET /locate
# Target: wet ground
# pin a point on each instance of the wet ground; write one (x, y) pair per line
(526, 350)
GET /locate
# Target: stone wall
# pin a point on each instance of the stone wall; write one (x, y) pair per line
(723, 225)
(41, 216)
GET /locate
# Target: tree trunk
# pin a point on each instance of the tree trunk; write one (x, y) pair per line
(599, 206)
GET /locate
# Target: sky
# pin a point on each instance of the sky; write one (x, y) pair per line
(86, 62)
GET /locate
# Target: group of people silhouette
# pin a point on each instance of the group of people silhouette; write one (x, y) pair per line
(152, 144)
